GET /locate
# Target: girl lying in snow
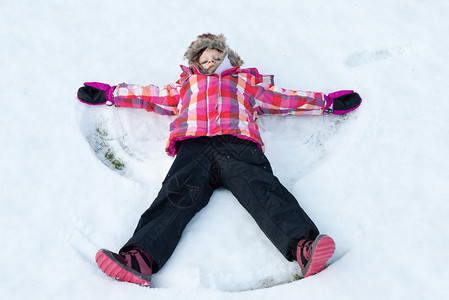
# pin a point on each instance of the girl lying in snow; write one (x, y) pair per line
(217, 144)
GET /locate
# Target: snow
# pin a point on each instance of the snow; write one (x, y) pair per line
(375, 180)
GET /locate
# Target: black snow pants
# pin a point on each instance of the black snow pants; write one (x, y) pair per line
(204, 164)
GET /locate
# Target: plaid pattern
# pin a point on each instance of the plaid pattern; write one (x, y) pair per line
(209, 105)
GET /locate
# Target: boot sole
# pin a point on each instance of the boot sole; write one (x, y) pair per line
(323, 248)
(113, 268)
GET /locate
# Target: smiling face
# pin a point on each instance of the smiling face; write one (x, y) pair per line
(209, 60)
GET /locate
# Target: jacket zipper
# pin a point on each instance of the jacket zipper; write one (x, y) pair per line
(207, 106)
(218, 102)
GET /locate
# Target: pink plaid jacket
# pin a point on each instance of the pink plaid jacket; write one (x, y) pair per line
(210, 105)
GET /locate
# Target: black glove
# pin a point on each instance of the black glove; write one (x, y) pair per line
(96, 93)
(341, 102)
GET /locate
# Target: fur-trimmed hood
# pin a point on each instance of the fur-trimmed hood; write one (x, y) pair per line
(210, 41)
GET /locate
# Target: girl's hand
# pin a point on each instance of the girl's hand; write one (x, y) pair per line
(96, 93)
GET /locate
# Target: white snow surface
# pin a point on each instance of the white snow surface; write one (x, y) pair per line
(375, 180)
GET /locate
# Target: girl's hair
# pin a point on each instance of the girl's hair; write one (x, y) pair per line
(210, 41)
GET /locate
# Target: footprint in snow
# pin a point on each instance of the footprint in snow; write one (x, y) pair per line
(361, 58)
(80, 241)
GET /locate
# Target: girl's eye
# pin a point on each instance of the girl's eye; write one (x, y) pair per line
(206, 61)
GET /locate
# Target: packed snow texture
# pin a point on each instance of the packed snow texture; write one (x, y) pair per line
(375, 180)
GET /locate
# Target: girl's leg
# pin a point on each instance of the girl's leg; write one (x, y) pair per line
(185, 191)
(246, 172)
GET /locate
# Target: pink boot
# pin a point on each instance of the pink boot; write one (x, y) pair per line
(132, 266)
(312, 255)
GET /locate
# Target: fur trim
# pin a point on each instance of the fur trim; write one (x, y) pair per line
(210, 41)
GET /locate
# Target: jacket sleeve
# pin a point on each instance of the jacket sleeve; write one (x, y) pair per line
(270, 99)
(163, 100)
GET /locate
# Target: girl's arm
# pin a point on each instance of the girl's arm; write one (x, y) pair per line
(163, 101)
(271, 99)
